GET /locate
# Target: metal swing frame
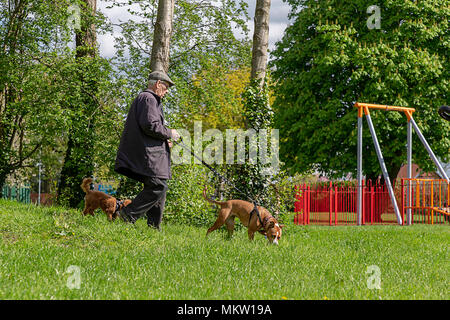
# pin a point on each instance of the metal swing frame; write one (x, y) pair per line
(363, 108)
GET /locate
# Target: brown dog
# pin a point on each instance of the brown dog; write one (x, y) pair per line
(266, 224)
(98, 199)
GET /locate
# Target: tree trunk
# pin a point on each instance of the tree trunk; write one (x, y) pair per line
(78, 162)
(161, 38)
(3, 175)
(86, 38)
(260, 41)
(249, 176)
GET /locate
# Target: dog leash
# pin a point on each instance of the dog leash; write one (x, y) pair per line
(212, 169)
(255, 209)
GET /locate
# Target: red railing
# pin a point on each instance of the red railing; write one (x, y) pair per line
(335, 204)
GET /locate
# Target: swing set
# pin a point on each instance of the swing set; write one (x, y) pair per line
(364, 108)
(420, 200)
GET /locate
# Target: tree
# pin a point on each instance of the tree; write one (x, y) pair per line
(258, 114)
(215, 98)
(78, 162)
(338, 53)
(161, 37)
(257, 111)
(33, 38)
(260, 41)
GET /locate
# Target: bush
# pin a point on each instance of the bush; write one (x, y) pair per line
(185, 203)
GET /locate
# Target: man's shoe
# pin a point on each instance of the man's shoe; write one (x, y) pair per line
(157, 228)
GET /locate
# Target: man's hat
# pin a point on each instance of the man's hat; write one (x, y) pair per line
(160, 75)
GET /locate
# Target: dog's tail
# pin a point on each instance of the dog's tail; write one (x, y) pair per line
(210, 200)
(85, 185)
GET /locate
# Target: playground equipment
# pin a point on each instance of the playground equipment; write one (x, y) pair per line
(334, 203)
(430, 199)
(419, 197)
(363, 108)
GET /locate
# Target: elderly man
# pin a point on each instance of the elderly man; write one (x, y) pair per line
(144, 151)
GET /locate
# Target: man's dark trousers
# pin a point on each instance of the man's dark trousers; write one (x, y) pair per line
(149, 201)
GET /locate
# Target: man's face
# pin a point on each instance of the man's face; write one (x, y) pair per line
(161, 88)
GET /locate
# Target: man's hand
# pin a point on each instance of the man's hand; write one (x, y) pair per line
(174, 134)
(170, 143)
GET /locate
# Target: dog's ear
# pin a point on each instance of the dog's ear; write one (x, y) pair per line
(271, 224)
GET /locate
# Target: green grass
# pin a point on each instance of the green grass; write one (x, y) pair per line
(121, 261)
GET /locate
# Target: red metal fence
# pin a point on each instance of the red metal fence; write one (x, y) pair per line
(334, 203)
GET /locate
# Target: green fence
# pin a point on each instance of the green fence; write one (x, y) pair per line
(21, 194)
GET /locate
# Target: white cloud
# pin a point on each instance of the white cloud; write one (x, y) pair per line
(106, 43)
(276, 31)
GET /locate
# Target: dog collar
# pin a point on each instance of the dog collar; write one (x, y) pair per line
(118, 204)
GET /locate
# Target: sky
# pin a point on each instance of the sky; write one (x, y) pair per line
(278, 22)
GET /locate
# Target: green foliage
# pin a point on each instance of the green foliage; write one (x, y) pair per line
(32, 37)
(128, 188)
(47, 90)
(84, 87)
(185, 203)
(329, 59)
(184, 200)
(203, 38)
(258, 111)
(214, 97)
(258, 115)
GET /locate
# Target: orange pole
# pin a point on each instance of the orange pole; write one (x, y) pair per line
(440, 197)
(408, 115)
(417, 194)
(384, 107)
(360, 112)
(423, 200)
(431, 201)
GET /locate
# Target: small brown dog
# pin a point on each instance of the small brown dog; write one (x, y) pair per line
(265, 224)
(97, 199)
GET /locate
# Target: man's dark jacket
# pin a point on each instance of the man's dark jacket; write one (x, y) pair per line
(144, 150)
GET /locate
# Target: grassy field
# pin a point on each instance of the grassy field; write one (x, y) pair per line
(55, 253)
